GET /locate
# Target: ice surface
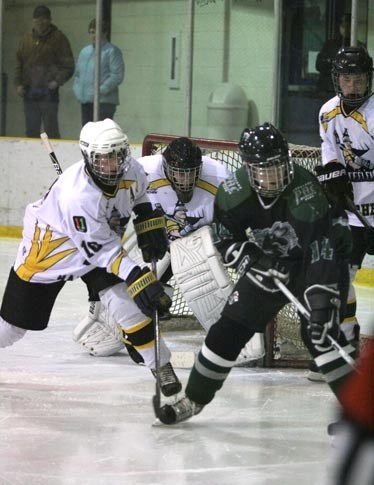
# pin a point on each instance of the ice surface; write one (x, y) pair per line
(69, 418)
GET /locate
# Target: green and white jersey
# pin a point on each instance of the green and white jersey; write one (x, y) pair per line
(297, 228)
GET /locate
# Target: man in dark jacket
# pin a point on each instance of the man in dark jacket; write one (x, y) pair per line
(44, 63)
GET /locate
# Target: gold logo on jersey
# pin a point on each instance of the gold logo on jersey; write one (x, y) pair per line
(39, 258)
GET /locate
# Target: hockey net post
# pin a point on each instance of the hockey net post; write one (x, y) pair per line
(284, 347)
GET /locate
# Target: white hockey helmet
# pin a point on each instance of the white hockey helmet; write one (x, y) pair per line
(106, 150)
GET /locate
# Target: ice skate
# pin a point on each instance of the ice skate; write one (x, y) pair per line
(170, 384)
(178, 412)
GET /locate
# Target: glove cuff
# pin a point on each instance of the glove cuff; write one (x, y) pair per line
(149, 225)
(141, 283)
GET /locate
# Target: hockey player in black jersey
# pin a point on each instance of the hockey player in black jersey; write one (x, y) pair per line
(295, 240)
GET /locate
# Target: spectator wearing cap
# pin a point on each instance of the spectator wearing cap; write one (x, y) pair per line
(44, 62)
(112, 71)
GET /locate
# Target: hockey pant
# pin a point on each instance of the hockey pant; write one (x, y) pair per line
(247, 311)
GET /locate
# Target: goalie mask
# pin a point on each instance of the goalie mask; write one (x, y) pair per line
(265, 152)
(106, 151)
(182, 166)
(352, 73)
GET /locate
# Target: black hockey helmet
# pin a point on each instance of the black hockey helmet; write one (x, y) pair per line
(182, 165)
(265, 152)
(352, 60)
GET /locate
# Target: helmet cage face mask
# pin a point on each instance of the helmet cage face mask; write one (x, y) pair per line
(352, 71)
(182, 164)
(109, 168)
(183, 180)
(106, 151)
(271, 176)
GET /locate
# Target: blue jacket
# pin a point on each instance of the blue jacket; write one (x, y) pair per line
(112, 72)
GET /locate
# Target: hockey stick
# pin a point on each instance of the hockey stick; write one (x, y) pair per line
(156, 326)
(52, 155)
(305, 313)
(352, 208)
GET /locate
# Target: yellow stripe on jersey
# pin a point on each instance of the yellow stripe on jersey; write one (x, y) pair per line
(158, 183)
(39, 258)
(360, 120)
(326, 117)
(117, 262)
(356, 115)
(123, 184)
(212, 189)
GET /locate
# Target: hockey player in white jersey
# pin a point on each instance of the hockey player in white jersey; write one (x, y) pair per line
(67, 234)
(182, 185)
(346, 124)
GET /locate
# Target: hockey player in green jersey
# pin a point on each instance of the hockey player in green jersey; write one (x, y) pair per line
(295, 240)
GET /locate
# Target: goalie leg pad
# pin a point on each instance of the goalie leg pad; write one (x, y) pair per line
(98, 333)
(200, 275)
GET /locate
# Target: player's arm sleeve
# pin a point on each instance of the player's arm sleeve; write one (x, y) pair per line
(224, 229)
(100, 246)
(328, 144)
(318, 240)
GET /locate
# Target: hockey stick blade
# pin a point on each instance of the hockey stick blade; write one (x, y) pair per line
(352, 208)
(292, 298)
(51, 153)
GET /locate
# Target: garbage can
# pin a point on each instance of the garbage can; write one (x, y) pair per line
(227, 112)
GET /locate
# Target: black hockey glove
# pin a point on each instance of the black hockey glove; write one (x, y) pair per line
(370, 241)
(151, 234)
(323, 303)
(147, 292)
(334, 179)
(249, 259)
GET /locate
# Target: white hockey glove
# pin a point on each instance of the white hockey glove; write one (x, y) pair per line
(98, 333)
(249, 259)
(323, 303)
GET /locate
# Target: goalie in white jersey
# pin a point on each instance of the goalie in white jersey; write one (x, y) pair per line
(346, 124)
(68, 234)
(182, 185)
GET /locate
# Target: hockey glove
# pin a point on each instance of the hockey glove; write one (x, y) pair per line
(151, 234)
(370, 241)
(249, 259)
(147, 292)
(323, 303)
(334, 179)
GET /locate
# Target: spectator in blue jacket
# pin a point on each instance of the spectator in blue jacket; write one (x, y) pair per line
(112, 70)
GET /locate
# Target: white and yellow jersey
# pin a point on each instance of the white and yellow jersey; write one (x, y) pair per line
(182, 218)
(349, 139)
(67, 231)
